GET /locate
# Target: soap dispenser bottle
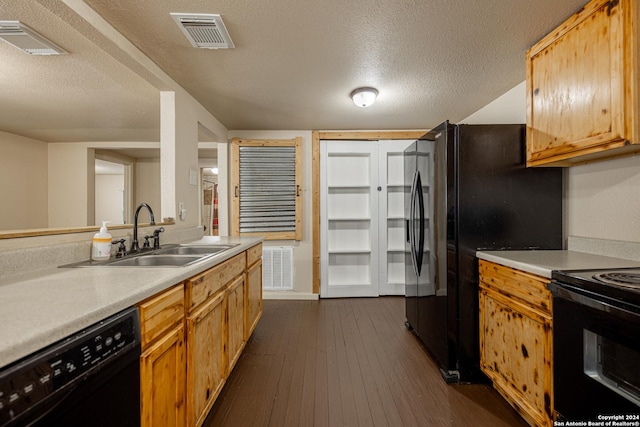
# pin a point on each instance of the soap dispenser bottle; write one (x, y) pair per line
(101, 249)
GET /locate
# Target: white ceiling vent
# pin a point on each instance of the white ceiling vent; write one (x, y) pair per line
(204, 30)
(27, 40)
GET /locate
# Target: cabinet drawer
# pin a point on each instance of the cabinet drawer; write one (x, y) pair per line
(526, 287)
(254, 253)
(160, 313)
(206, 284)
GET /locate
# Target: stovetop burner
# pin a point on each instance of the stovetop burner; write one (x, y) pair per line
(620, 278)
(620, 284)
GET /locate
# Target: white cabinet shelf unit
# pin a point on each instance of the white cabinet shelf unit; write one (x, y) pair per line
(392, 216)
(348, 235)
(361, 218)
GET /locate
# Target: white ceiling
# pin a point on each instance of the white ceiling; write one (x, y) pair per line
(294, 65)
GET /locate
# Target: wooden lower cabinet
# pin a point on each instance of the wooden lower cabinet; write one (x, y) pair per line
(206, 357)
(163, 362)
(516, 340)
(235, 321)
(253, 298)
(192, 336)
(162, 389)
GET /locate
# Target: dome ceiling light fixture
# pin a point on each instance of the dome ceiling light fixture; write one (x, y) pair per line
(364, 96)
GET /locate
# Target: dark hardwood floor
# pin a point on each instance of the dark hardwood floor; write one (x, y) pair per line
(346, 362)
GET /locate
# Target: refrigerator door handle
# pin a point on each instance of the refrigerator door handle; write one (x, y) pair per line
(420, 247)
(412, 220)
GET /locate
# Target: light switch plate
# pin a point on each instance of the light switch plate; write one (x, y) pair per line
(193, 177)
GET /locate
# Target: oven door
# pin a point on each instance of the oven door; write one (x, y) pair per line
(596, 356)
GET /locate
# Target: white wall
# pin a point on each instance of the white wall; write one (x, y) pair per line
(509, 108)
(187, 190)
(602, 199)
(71, 185)
(147, 184)
(303, 250)
(23, 178)
(181, 115)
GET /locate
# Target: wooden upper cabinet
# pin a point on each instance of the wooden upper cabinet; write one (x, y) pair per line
(582, 87)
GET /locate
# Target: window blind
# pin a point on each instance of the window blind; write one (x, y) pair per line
(267, 189)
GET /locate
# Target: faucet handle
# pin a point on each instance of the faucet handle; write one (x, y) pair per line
(146, 244)
(122, 249)
(156, 237)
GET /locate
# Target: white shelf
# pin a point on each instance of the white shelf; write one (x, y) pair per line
(401, 250)
(344, 218)
(349, 251)
(349, 268)
(342, 204)
(355, 283)
(348, 187)
(353, 167)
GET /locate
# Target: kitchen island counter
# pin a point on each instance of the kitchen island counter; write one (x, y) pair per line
(543, 262)
(45, 306)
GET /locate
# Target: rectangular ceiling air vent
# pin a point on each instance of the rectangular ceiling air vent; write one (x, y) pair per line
(204, 30)
(27, 40)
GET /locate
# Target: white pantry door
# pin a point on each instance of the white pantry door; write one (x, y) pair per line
(391, 228)
(348, 219)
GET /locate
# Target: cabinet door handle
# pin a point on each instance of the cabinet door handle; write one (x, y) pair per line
(236, 190)
(297, 191)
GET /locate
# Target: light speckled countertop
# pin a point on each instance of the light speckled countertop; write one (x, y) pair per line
(543, 263)
(41, 308)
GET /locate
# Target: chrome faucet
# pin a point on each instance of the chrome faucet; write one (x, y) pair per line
(135, 247)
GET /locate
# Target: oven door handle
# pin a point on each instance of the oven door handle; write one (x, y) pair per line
(562, 291)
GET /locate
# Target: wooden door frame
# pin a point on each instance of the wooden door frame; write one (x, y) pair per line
(316, 137)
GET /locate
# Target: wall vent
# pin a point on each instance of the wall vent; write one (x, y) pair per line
(277, 268)
(27, 40)
(205, 31)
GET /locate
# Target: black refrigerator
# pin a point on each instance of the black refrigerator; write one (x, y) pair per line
(466, 188)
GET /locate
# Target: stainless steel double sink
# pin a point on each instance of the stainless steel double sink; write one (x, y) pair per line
(175, 255)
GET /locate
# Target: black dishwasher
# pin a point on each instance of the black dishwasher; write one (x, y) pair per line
(91, 378)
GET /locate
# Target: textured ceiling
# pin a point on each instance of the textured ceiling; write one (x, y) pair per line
(294, 65)
(85, 95)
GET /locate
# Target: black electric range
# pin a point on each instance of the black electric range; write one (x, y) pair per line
(619, 286)
(596, 344)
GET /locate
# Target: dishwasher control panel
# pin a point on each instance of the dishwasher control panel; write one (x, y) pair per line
(33, 380)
